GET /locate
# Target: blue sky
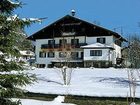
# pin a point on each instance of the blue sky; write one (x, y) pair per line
(109, 13)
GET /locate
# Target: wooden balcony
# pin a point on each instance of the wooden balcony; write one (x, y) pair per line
(59, 46)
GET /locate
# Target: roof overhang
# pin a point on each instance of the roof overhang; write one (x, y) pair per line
(53, 30)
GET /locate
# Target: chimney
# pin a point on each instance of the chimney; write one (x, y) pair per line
(73, 12)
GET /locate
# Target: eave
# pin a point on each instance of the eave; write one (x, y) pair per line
(46, 33)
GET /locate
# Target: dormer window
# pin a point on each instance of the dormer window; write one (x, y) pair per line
(101, 40)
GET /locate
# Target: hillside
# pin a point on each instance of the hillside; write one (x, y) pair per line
(84, 82)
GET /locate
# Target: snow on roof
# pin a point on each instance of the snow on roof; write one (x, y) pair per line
(27, 53)
(32, 19)
(12, 18)
(35, 19)
(97, 45)
(17, 3)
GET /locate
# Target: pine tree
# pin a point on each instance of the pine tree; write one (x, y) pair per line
(12, 76)
(24, 44)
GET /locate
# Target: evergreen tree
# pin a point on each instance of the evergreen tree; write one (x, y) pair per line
(12, 76)
(24, 44)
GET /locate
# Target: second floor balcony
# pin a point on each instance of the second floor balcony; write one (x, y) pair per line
(61, 46)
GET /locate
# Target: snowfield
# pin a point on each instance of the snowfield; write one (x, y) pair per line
(109, 82)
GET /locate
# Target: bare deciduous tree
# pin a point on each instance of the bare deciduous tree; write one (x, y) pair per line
(133, 58)
(64, 66)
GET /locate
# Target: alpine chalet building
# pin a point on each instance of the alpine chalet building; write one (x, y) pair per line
(77, 43)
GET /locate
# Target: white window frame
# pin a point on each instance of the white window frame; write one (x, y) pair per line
(95, 52)
(42, 54)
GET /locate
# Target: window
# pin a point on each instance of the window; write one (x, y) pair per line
(95, 52)
(43, 46)
(74, 41)
(41, 65)
(62, 41)
(50, 54)
(74, 55)
(51, 42)
(101, 40)
(42, 54)
(62, 54)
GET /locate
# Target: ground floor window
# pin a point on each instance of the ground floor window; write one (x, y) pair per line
(62, 54)
(41, 65)
(95, 52)
(98, 64)
(51, 54)
(74, 55)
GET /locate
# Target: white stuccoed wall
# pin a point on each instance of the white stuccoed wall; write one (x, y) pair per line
(38, 49)
(89, 40)
(105, 55)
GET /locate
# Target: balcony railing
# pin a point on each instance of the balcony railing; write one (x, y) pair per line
(55, 46)
(47, 46)
(78, 45)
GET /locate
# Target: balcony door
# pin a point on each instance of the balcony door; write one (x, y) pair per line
(74, 41)
(62, 42)
(51, 43)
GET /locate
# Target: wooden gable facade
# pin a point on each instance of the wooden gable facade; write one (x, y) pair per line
(72, 26)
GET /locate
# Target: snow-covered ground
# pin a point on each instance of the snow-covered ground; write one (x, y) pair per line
(85, 81)
(57, 101)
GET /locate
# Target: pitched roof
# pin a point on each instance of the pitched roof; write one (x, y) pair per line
(27, 53)
(97, 46)
(82, 28)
